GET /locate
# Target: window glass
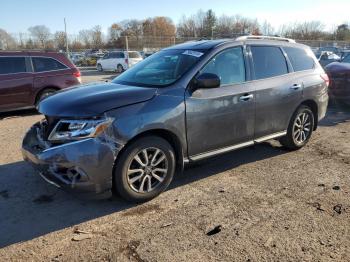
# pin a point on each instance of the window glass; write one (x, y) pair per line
(161, 69)
(346, 59)
(42, 64)
(134, 55)
(12, 65)
(299, 58)
(268, 62)
(120, 55)
(228, 66)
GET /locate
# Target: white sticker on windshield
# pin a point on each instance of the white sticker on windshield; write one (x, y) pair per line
(192, 53)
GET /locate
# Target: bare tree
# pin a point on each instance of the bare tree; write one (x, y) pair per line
(266, 28)
(6, 40)
(85, 37)
(41, 33)
(96, 37)
(187, 27)
(60, 40)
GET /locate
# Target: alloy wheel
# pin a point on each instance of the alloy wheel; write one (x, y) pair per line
(302, 128)
(147, 170)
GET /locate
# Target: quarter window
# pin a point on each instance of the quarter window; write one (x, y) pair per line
(228, 66)
(12, 65)
(299, 58)
(42, 64)
(268, 61)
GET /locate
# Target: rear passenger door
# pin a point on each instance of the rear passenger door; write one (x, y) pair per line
(278, 93)
(16, 83)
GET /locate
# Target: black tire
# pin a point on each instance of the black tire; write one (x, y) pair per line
(120, 69)
(122, 181)
(43, 94)
(99, 68)
(291, 141)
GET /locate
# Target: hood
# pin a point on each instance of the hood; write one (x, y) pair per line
(93, 99)
(337, 67)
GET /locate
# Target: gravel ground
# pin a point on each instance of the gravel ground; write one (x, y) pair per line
(259, 203)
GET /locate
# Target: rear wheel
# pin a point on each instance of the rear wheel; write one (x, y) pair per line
(145, 169)
(43, 94)
(300, 129)
(120, 68)
(99, 68)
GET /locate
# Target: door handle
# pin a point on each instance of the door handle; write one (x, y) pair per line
(246, 97)
(296, 86)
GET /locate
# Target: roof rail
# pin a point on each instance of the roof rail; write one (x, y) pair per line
(264, 37)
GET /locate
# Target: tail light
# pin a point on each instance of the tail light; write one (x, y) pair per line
(77, 74)
(127, 61)
(325, 78)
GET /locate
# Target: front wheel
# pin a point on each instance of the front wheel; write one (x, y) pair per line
(99, 68)
(145, 169)
(300, 129)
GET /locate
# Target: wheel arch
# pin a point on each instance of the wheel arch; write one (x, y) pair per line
(167, 135)
(314, 108)
(41, 90)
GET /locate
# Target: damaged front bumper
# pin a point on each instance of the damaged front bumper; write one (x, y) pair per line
(84, 167)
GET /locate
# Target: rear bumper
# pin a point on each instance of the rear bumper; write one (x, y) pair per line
(83, 167)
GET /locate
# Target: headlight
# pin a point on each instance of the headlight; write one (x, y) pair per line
(68, 130)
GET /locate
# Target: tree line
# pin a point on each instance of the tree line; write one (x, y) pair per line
(157, 32)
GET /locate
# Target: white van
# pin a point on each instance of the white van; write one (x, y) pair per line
(118, 61)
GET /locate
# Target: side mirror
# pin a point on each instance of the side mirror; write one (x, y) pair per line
(207, 80)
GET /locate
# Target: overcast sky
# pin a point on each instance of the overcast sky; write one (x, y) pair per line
(17, 15)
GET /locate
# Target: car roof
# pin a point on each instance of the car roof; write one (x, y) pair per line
(210, 44)
(29, 53)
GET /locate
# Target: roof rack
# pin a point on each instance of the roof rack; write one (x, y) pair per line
(264, 37)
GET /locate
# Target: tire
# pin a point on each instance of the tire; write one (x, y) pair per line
(120, 69)
(135, 186)
(99, 68)
(43, 94)
(300, 129)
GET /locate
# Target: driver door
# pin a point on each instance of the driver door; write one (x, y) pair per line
(221, 119)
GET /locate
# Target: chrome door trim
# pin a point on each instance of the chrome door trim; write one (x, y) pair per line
(221, 151)
(234, 147)
(269, 137)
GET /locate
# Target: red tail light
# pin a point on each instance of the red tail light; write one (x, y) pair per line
(126, 61)
(325, 78)
(77, 74)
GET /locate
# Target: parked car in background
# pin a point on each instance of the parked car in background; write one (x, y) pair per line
(182, 104)
(331, 49)
(28, 77)
(339, 74)
(328, 57)
(118, 61)
(76, 58)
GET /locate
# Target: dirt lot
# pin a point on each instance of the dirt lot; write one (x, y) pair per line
(267, 203)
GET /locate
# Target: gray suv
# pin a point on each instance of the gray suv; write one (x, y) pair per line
(182, 104)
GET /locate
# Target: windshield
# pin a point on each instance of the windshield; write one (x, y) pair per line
(160, 69)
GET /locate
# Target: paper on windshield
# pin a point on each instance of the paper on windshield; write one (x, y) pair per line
(193, 53)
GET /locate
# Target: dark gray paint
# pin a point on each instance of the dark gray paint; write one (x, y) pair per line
(200, 122)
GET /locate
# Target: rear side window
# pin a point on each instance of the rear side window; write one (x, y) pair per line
(228, 66)
(134, 55)
(299, 58)
(12, 65)
(42, 64)
(268, 61)
(346, 59)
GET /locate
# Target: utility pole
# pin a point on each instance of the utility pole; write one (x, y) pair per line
(126, 44)
(65, 31)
